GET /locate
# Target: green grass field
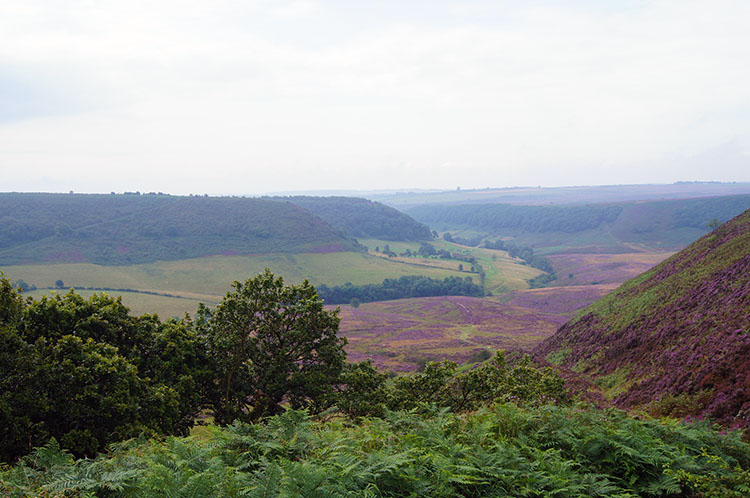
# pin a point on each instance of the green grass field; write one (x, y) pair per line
(208, 279)
(503, 273)
(140, 304)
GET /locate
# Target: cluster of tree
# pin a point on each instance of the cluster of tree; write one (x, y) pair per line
(363, 218)
(497, 217)
(522, 252)
(365, 392)
(427, 250)
(115, 229)
(87, 373)
(472, 242)
(699, 213)
(400, 288)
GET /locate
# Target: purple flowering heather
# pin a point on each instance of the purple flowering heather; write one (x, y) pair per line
(681, 331)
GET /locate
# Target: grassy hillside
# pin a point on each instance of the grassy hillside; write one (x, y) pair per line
(129, 229)
(363, 218)
(622, 227)
(675, 340)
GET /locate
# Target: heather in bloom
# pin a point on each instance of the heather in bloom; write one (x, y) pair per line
(675, 340)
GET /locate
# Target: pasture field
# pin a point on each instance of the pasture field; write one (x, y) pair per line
(400, 335)
(502, 273)
(140, 304)
(208, 279)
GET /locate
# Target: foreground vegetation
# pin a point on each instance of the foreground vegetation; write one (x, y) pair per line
(87, 373)
(503, 450)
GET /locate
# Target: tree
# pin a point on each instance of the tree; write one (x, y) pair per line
(59, 284)
(271, 343)
(87, 373)
(713, 224)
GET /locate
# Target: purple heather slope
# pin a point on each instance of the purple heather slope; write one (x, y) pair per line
(676, 339)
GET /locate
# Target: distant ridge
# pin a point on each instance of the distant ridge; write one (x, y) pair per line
(614, 227)
(129, 229)
(676, 339)
(360, 217)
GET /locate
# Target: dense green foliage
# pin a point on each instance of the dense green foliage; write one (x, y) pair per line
(494, 217)
(366, 392)
(504, 450)
(403, 287)
(128, 229)
(271, 343)
(87, 373)
(363, 218)
(677, 335)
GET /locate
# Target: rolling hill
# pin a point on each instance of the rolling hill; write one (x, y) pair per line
(363, 218)
(545, 196)
(620, 227)
(676, 339)
(130, 229)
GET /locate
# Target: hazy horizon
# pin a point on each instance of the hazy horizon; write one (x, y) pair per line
(266, 96)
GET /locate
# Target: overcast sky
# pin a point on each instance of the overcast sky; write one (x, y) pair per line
(246, 97)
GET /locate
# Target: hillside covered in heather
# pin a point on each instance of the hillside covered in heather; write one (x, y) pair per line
(128, 229)
(676, 339)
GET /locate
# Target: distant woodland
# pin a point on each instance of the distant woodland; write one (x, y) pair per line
(363, 218)
(657, 223)
(133, 228)
(404, 287)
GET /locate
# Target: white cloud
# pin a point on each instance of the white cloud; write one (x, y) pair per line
(235, 96)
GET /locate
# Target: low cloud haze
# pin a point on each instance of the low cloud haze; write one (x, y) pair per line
(231, 97)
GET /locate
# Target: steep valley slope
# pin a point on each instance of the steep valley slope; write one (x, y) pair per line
(676, 339)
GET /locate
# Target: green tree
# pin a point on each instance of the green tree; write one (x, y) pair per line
(713, 224)
(87, 373)
(271, 343)
(59, 284)
(362, 390)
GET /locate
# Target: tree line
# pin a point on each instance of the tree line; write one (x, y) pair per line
(399, 288)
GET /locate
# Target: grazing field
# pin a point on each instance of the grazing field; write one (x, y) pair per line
(586, 269)
(140, 304)
(400, 335)
(502, 273)
(207, 279)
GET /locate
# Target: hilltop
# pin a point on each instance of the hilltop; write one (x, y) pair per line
(363, 218)
(675, 340)
(130, 229)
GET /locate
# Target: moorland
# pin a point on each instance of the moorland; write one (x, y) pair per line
(99, 402)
